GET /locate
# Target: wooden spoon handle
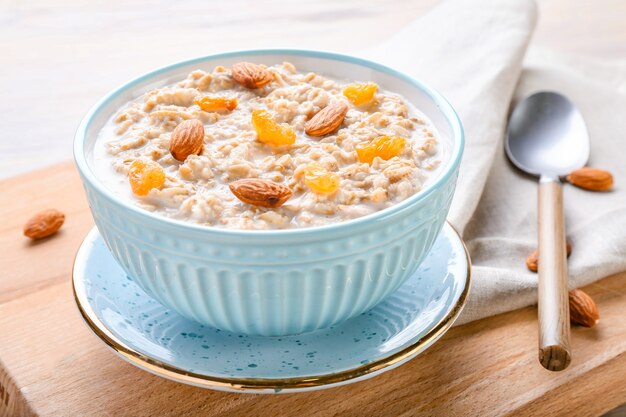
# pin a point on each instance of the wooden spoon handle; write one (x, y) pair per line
(554, 334)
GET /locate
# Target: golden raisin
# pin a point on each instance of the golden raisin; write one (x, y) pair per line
(270, 132)
(385, 147)
(319, 179)
(360, 93)
(144, 175)
(208, 103)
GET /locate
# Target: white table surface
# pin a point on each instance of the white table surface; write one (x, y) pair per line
(57, 58)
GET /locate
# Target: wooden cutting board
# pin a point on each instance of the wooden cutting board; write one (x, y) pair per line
(51, 364)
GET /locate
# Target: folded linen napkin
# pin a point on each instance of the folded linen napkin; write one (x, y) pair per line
(473, 52)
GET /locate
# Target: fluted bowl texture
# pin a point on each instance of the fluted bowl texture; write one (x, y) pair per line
(283, 281)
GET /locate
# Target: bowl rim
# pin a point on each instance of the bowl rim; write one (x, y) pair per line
(442, 104)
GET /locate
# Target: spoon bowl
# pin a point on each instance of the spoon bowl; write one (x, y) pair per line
(547, 136)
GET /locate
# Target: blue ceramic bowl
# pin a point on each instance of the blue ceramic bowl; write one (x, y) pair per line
(273, 282)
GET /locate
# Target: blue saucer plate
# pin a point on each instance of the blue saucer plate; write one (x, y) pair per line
(156, 339)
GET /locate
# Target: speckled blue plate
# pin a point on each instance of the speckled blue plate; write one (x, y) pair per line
(156, 339)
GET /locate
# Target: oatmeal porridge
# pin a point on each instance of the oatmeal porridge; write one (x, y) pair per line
(255, 147)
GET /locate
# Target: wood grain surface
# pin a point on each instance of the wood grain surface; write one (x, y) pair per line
(553, 301)
(51, 364)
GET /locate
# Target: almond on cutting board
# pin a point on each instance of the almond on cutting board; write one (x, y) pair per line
(187, 139)
(251, 75)
(327, 120)
(44, 224)
(591, 179)
(259, 192)
(582, 309)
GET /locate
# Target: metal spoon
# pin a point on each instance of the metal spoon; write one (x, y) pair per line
(547, 137)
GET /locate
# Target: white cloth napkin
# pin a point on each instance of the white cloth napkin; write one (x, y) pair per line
(474, 52)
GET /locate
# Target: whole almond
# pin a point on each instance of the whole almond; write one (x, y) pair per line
(582, 309)
(44, 224)
(259, 192)
(327, 120)
(592, 179)
(532, 260)
(251, 75)
(187, 139)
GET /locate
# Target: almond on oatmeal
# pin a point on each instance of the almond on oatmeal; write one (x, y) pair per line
(251, 75)
(259, 192)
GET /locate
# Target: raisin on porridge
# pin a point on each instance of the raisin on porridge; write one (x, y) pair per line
(267, 147)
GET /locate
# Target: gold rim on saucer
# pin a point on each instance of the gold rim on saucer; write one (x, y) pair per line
(262, 384)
